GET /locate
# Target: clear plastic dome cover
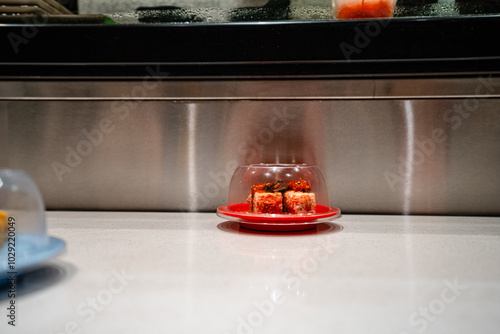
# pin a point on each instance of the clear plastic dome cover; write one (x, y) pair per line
(278, 197)
(24, 243)
(245, 177)
(21, 206)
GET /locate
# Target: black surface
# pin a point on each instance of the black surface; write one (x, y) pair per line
(273, 10)
(71, 5)
(393, 46)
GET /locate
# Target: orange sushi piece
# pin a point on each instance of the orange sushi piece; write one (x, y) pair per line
(299, 202)
(265, 202)
(3, 227)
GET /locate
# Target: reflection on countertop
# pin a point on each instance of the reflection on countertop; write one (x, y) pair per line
(193, 272)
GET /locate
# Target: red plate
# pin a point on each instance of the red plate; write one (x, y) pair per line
(277, 222)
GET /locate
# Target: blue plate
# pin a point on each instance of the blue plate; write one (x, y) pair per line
(30, 252)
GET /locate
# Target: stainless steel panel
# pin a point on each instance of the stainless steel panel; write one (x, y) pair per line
(3, 139)
(414, 156)
(150, 88)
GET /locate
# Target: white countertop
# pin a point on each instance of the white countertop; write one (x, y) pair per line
(192, 273)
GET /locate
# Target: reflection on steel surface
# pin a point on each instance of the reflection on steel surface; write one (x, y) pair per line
(3, 139)
(484, 85)
(394, 155)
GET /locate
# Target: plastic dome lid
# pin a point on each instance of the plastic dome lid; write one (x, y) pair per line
(245, 177)
(22, 206)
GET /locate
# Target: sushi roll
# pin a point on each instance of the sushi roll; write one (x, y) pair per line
(299, 202)
(299, 198)
(267, 202)
(295, 198)
(265, 198)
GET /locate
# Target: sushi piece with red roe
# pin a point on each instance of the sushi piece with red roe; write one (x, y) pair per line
(266, 198)
(295, 198)
(299, 199)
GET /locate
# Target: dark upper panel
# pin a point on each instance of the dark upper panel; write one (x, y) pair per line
(423, 38)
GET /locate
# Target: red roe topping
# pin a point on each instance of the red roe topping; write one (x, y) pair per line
(258, 187)
(265, 187)
(300, 185)
(369, 9)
